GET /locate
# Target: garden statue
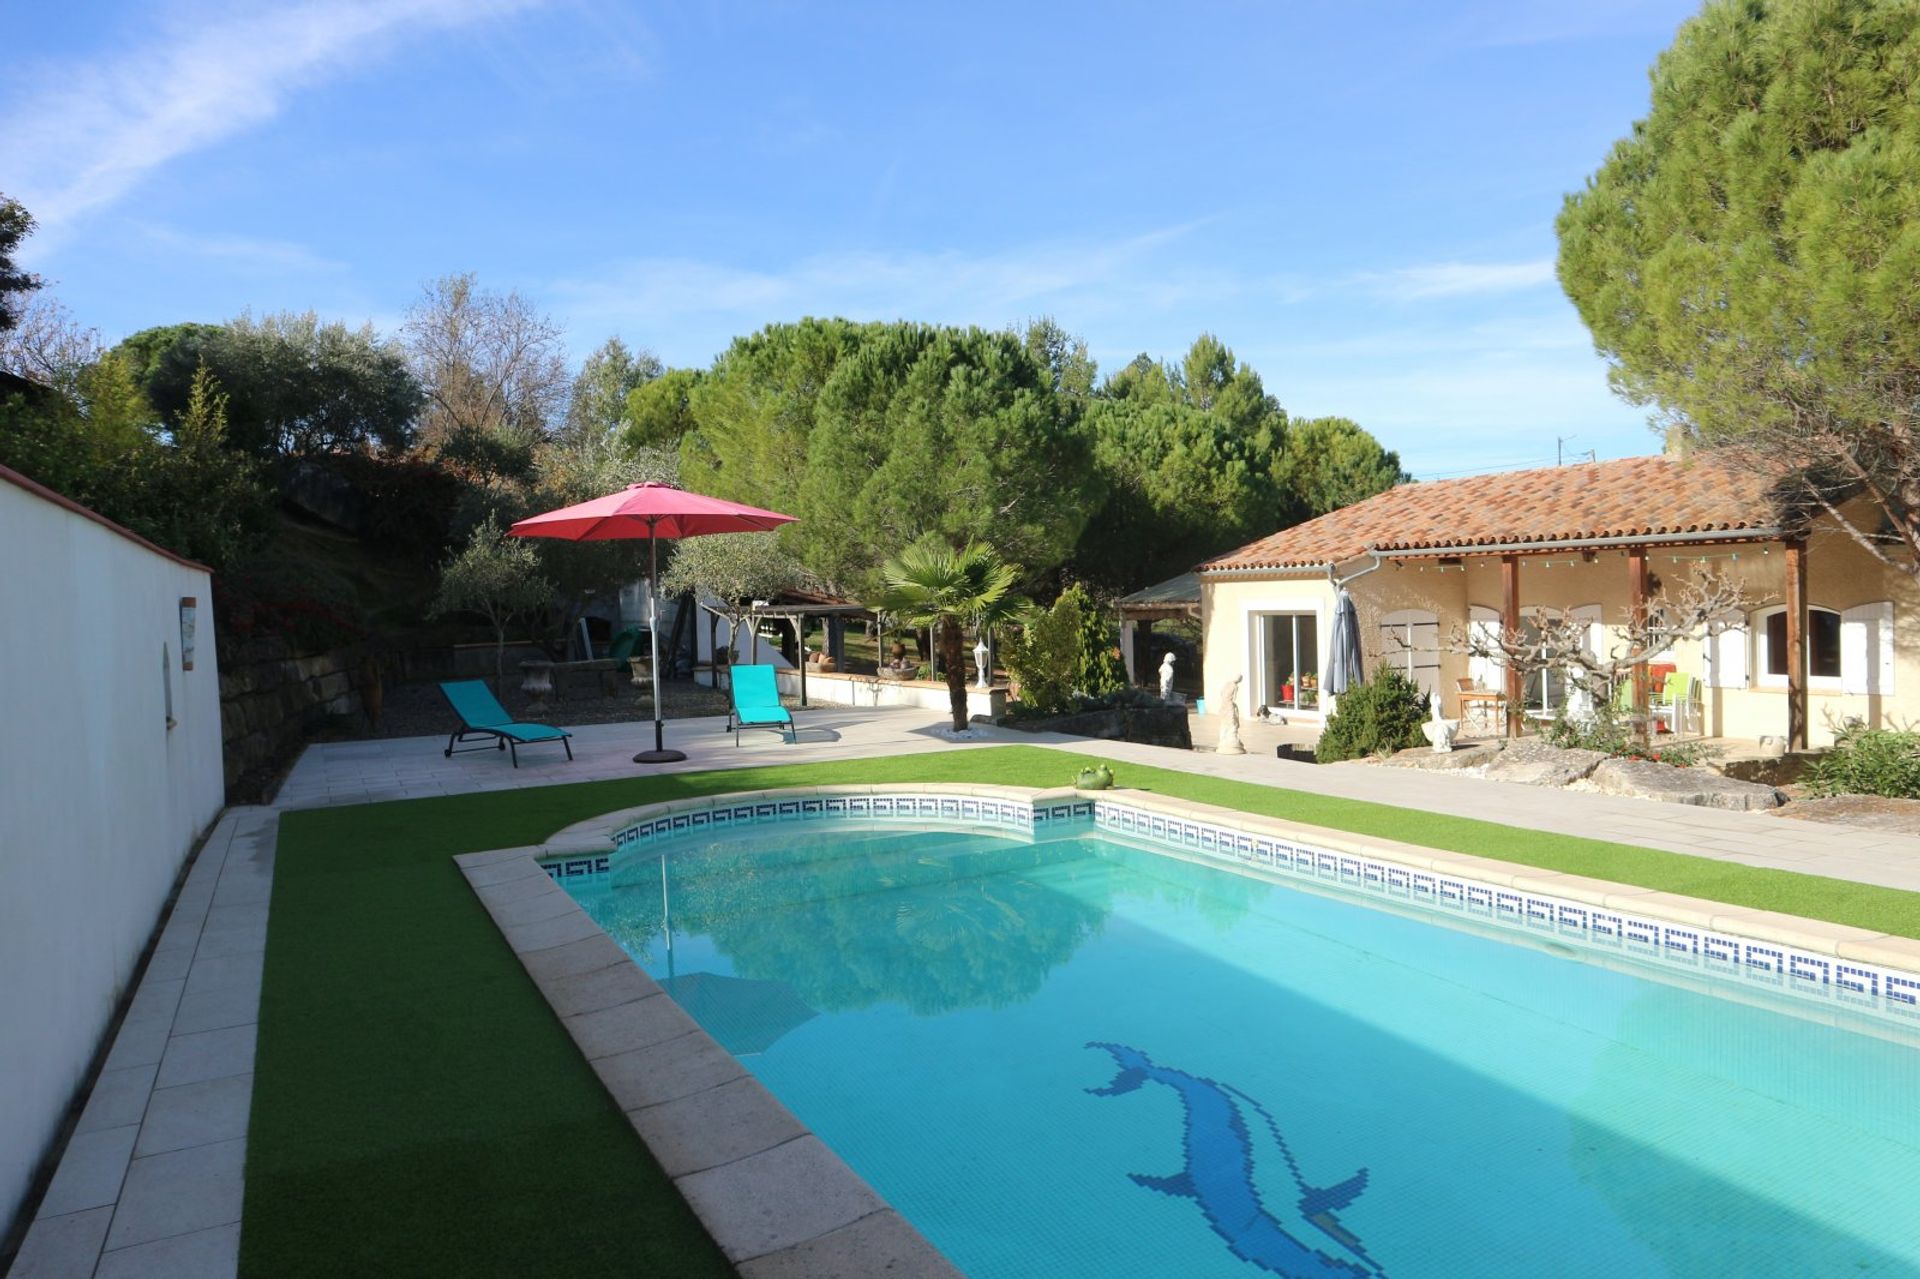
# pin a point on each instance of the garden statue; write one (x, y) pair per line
(1440, 732)
(980, 652)
(1166, 678)
(1229, 719)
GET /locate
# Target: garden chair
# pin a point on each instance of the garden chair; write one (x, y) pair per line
(1675, 706)
(1485, 705)
(756, 703)
(481, 715)
(625, 644)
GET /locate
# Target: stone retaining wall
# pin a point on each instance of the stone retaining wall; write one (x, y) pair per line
(1146, 725)
(271, 698)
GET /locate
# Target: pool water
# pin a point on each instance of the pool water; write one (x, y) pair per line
(1078, 1057)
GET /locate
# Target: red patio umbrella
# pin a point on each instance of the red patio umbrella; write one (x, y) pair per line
(652, 511)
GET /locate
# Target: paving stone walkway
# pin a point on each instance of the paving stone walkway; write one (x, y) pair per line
(150, 1184)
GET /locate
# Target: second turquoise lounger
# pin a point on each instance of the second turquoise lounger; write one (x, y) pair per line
(756, 703)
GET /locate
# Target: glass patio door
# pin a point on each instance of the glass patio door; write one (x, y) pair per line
(1290, 660)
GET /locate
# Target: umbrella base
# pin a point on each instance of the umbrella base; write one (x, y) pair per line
(659, 757)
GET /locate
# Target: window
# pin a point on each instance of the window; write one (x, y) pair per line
(1557, 688)
(1290, 660)
(1823, 646)
(1410, 643)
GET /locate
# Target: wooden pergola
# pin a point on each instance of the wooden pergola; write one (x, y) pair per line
(1639, 589)
(1176, 599)
(835, 615)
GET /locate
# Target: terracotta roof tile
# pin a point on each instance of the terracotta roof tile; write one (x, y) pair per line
(1635, 496)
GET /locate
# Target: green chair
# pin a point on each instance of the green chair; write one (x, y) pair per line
(481, 715)
(626, 644)
(1676, 702)
(756, 703)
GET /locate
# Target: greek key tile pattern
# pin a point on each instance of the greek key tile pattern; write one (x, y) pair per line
(1865, 987)
(1862, 987)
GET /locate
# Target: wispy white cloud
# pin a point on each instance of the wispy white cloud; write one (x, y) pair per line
(1457, 279)
(241, 250)
(705, 303)
(79, 137)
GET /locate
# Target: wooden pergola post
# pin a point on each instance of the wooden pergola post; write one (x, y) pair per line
(1637, 591)
(1796, 595)
(1510, 627)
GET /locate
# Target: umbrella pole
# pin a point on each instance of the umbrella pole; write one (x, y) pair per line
(659, 754)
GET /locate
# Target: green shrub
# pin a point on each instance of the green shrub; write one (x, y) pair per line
(1605, 730)
(1378, 717)
(1099, 668)
(1124, 699)
(1870, 761)
(1045, 660)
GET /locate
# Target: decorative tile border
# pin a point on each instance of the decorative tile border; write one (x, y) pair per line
(1020, 814)
(1862, 986)
(1213, 835)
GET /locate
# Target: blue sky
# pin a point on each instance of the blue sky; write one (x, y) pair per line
(1358, 197)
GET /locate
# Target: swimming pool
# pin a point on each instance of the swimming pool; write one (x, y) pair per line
(1066, 1051)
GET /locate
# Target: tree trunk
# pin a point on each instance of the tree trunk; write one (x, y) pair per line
(956, 671)
(500, 661)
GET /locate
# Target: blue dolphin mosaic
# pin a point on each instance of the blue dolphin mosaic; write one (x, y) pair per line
(1219, 1177)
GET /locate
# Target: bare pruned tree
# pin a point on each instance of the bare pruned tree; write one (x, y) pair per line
(491, 365)
(47, 344)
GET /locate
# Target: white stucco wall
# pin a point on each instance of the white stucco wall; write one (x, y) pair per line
(99, 800)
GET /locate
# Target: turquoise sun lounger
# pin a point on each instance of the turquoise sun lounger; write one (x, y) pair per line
(481, 715)
(756, 703)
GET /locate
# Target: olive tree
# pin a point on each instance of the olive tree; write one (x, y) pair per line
(726, 572)
(496, 577)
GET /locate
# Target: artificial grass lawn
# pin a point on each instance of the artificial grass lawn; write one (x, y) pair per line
(418, 1110)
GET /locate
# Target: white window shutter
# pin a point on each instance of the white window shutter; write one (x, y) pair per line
(1484, 626)
(1579, 698)
(1410, 642)
(1883, 649)
(1727, 655)
(1866, 648)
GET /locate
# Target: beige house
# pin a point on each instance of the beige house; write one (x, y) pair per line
(1824, 636)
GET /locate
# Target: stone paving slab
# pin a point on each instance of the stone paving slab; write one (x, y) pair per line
(150, 1185)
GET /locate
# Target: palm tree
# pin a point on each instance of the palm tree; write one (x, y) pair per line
(948, 590)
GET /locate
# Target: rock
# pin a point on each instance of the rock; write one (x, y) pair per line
(1869, 812)
(1644, 779)
(1457, 758)
(1776, 770)
(1536, 763)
